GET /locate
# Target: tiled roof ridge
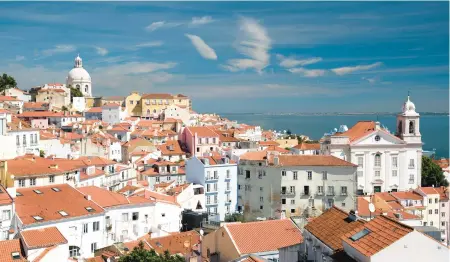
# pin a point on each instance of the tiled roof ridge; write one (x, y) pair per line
(397, 222)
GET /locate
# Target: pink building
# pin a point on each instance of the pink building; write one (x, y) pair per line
(200, 140)
(40, 123)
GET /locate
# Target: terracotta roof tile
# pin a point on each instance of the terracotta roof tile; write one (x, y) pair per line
(311, 160)
(429, 190)
(308, 146)
(157, 96)
(49, 203)
(359, 130)
(5, 198)
(42, 237)
(171, 147)
(35, 105)
(271, 235)
(202, 131)
(7, 247)
(331, 225)
(177, 243)
(383, 232)
(254, 156)
(407, 195)
(95, 110)
(32, 166)
(106, 198)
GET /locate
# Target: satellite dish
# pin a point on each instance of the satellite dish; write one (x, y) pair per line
(371, 207)
(201, 232)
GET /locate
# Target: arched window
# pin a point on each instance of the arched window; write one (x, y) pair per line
(411, 127)
(74, 251)
(148, 111)
(378, 160)
(154, 111)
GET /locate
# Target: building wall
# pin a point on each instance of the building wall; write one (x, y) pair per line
(133, 104)
(291, 253)
(24, 146)
(44, 180)
(176, 112)
(261, 195)
(55, 99)
(431, 202)
(219, 242)
(79, 104)
(55, 147)
(287, 142)
(111, 115)
(93, 116)
(444, 219)
(19, 94)
(315, 248)
(8, 147)
(414, 247)
(59, 253)
(5, 223)
(39, 123)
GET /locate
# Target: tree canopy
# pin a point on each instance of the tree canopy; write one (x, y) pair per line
(235, 217)
(140, 254)
(432, 173)
(74, 92)
(6, 82)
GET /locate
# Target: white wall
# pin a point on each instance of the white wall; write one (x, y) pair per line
(290, 253)
(5, 222)
(79, 104)
(55, 147)
(59, 253)
(111, 115)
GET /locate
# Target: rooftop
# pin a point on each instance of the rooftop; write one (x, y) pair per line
(202, 131)
(42, 237)
(10, 251)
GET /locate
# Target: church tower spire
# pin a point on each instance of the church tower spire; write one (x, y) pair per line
(408, 127)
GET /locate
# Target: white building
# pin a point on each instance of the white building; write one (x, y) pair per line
(6, 213)
(19, 94)
(44, 245)
(272, 186)
(79, 78)
(218, 175)
(27, 140)
(8, 142)
(79, 104)
(53, 146)
(79, 219)
(385, 162)
(177, 112)
(111, 113)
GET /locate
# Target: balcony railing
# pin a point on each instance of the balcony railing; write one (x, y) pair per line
(287, 193)
(319, 193)
(343, 193)
(306, 193)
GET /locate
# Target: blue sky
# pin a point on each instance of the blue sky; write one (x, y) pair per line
(239, 56)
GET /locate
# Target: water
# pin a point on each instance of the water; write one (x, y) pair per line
(434, 128)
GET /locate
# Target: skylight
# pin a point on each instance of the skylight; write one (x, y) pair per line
(56, 189)
(15, 255)
(63, 213)
(38, 218)
(360, 234)
(89, 209)
(18, 194)
(37, 191)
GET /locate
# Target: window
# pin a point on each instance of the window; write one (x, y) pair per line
(228, 173)
(135, 216)
(261, 188)
(85, 228)
(283, 173)
(124, 217)
(208, 187)
(360, 161)
(436, 211)
(411, 127)
(63, 213)
(411, 163)
(394, 172)
(306, 190)
(309, 175)
(24, 140)
(424, 224)
(330, 190)
(411, 179)
(324, 175)
(215, 199)
(292, 189)
(17, 140)
(157, 179)
(295, 175)
(394, 161)
(359, 173)
(74, 251)
(283, 201)
(215, 186)
(436, 200)
(293, 210)
(247, 174)
(261, 199)
(431, 223)
(32, 181)
(377, 138)
(320, 190)
(228, 186)
(6, 215)
(31, 139)
(21, 182)
(96, 226)
(38, 218)
(442, 214)
(377, 173)
(216, 176)
(51, 179)
(261, 207)
(343, 190)
(93, 247)
(311, 202)
(443, 205)
(360, 234)
(168, 178)
(292, 201)
(208, 200)
(131, 102)
(430, 211)
(377, 160)
(430, 201)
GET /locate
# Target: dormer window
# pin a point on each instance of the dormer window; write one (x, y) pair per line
(56, 189)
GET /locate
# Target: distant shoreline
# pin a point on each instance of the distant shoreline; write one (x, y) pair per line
(335, 114)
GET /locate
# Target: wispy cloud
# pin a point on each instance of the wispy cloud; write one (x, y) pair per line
(201, 20)
(135, 68)
(291, 61)
(161, 24)
(308, 72)
(101, 51)
(58, 49)
(204, 50)
(370, 80)
(20, 57)
(254, 44)
(351, 69)
(149, 44)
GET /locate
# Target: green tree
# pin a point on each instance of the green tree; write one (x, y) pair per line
(6, 82)
(432, 173)
(235, 217)
(64, 109)
(74, 92)
(41, 153)
(140, 254)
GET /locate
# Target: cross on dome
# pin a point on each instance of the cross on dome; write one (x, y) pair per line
(78, 61)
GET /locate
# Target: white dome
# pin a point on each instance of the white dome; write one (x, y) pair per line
(409, 106)
(79, 74)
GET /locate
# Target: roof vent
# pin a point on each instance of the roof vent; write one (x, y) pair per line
(88, 197)
(352, 215)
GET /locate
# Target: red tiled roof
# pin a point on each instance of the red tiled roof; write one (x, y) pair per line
(254, 156)
(268, 143)
(157, 96)
(106, 198)
(33, 165)
(177, 243)
(49, 203)
(331, 225)
(42, 237)
(202, 131)
(271, 235)
(35, 105)
(57, 90)
(311, 160)
(5, 198)
(95, 110)
(308, 146)
(359, 130)
(383, 232)
(7, 247)
(429, 190)
(407, 195)
(8, 98)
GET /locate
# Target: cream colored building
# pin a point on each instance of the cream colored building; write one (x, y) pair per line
(133, 104)
(54, 97)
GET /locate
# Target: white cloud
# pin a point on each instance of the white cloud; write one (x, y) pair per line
(254, 44)
(59, 49)
(101, 51)
(308, 72)
(204, 50)
(149, 44)
(160, 24)
(135, 68)
(290, 62)
(201, 20)
(20, 57)
(351, 69)
(370, 80)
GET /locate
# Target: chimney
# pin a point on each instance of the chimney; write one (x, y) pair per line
(276, 160)
(352, 215)
(377, 125)
(88, 197)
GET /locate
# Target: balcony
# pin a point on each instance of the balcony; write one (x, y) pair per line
(306, 193)
(330, 193)
(228, 202)
(411, 166)
(319, 193)
(343, 193)
(212, 178)
(288, 193)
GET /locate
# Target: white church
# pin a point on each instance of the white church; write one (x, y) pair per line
(386, 162)
(79, 78)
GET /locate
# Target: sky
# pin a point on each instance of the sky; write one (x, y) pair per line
(237, 57)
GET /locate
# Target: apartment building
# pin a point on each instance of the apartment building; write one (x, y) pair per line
(6, 213)
(273, 186)
(163, 171)
(200, 140)
(218, 175)
(54, 97)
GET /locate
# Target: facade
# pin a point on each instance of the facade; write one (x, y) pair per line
(176, 112)
(133, 104)
(19, 94)
(218, 175)
(6, 213)
(94, 113)
(154, 105)
(79, 78)
(272, 186)
(200, 140)
(306, 149)
(263, 239)
(54, 97)
(385, 162)
(79, 104)
(111, 113)
(27, 140)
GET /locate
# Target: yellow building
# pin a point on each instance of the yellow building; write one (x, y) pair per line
(54, 97)
(133, 104)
